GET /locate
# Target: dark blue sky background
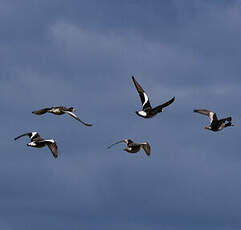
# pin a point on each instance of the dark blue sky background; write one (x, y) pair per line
(83, 54)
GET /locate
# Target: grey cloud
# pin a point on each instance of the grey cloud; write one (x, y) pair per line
(83, 54)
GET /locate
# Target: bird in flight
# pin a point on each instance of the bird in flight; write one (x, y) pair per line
(215, 123)
(60, 110)
(38, 142)
(133, 147)
(147, 111)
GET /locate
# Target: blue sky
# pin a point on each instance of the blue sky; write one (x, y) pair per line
(83, 54)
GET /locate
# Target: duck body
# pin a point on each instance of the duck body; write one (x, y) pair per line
(215, 123)
(38, 142)
(219, 125)
(57, 110)
(60, 110)
(147, 110)
(133, 147)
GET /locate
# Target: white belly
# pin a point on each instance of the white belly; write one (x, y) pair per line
(57, 110)
(33, 144)
(142, 113)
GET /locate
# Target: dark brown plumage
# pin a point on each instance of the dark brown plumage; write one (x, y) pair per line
(60, 110)
(147, 110)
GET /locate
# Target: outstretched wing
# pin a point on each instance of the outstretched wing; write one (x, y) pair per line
(41, 111)
(146, 147)
(25, 134)
(159, 108)
(52, 146)
(211, 115)
(75, 117)
(32, 135)
(125, 141)
(144, 98)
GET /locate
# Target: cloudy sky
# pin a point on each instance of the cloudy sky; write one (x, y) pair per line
(83, 54)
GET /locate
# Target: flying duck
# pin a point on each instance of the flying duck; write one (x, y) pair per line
(60, 110)
(133, 147)
(38, 142)
(147, 111)
(215, 124)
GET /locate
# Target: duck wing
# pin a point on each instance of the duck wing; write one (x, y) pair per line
(22, 135)
(41, 111)
(146, 147)
(144, 98)
(127, 141)
(76, 118)
(32, 135)
(159, 108)
(52, 146)
(211, 115)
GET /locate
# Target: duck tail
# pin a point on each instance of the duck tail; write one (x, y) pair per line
(229, 119)
(228, 124)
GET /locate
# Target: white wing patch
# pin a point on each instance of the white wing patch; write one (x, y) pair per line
(211, 114)
(146, 99)
(71, 114)
(51, 140)
(33, 134)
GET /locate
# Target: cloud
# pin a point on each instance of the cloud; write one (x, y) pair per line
(84, 54)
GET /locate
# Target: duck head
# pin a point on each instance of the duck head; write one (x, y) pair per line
(71, 109)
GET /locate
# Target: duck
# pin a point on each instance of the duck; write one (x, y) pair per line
(215, 123)
(147, 110)
(38, 142)
(60, 110)
(133, 147)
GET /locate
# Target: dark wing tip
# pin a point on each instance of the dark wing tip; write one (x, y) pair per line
(88, 124)
(108, 147)
(54, 149)
(173, 99)
(55, 154)
(25, 134)
(147, 148)
(148, 153)
(134, 80)
(84, 123)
